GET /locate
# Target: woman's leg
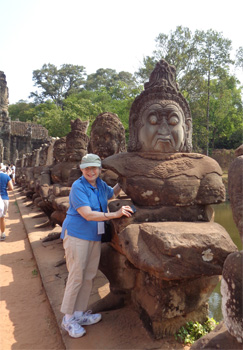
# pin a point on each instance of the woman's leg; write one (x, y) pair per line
(90, 272)
(76, 252)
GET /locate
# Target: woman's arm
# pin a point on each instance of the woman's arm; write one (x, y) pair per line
(88, 214)
(10, 185)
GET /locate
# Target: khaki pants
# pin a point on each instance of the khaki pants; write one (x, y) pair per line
(5, 210)
(82, 259)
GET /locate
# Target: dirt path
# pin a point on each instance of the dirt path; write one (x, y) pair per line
(32, 289)
(27, 321)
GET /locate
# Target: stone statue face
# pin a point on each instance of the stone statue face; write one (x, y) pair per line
(163, 128)
(104, 142)
(59, 150)
(76, 145)
(107, 135)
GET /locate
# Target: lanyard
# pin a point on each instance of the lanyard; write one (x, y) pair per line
(96, 191)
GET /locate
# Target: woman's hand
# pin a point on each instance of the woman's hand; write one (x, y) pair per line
(125, 210)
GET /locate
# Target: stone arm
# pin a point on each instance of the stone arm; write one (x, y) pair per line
(117, 190)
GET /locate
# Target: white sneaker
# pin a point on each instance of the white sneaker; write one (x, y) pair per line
(3, 236)
(73, 328)
(87, 318)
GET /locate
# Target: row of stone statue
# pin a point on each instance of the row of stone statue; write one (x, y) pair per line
(47, 173)
(166, 259)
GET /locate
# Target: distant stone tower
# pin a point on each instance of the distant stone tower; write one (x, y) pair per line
(5, 124)
(16, 138)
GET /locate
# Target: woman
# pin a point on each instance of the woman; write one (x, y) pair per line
(5, 186)
(81, 233)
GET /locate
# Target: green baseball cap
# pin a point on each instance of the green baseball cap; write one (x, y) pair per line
(90, 159)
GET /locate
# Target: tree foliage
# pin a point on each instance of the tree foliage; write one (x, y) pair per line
(239, 57)
(108, 78)
(57, 84)
(22, 111)
(203, 62)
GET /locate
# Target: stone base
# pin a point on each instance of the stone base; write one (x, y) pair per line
(169, 326)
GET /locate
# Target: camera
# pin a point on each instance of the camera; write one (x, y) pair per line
(133, 208)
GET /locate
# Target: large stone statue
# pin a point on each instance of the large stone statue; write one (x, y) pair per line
(229, 333)
(77, 140)
(168, 257)
(160, 118)
(160, 131)
(107, 137)
(59, 150)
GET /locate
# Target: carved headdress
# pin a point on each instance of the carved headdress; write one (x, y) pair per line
(163, 89)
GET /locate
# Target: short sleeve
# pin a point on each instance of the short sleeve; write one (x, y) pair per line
(79, 197)
(108, 190)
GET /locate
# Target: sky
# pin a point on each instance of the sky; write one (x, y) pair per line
(114, 34)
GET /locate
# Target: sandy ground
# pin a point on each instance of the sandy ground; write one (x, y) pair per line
(27, 320)
(32, 287)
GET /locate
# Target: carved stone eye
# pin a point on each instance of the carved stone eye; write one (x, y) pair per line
(173, 120)
(153, 119)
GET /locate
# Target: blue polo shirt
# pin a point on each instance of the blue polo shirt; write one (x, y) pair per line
(84, 194)
(4, 179)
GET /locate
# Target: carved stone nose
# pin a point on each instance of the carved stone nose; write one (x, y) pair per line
(163, 128)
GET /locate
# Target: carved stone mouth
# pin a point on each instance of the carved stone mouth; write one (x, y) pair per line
(163, 139)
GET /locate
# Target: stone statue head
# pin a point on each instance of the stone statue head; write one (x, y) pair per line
(77, 140)
(107, 135)
(59, 150)
(79, 125)
(160, 118)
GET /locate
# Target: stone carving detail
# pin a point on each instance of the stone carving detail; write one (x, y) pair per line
(107, 135)
(160, 118)
(18, 137)
(185, 179)
(165, 250)
(5, 126)
(77, 140)
(48, 172)
(59, 151)
(228, 334)
(3, 93)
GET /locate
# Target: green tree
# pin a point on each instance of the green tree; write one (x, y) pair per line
(22, 111)
(226, 113)
(49, 115)
(57, 84)
(108, 78)
(117, 84)
(225, 117)
(212, 58)
(239, 57)
(88, 104)
(177, 49)
(83, 105)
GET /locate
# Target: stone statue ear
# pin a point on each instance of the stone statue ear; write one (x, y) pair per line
(188, 128)
(188, 142)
